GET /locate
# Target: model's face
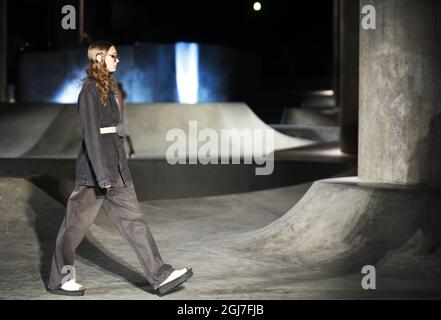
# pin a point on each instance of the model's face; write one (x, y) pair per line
(111, 59)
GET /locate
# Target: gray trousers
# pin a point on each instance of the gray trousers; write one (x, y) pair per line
(121, 206)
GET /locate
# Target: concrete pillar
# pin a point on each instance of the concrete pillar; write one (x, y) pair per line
(400, 94)
(336, 51)
(347, 72)
(3, 50)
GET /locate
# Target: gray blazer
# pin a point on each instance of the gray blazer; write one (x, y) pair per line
(101, 157)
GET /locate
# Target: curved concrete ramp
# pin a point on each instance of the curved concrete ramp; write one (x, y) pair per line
(25, 126)
(53, 130)
(149, 124)
(29, 220)
(62, 138)
(342, 224)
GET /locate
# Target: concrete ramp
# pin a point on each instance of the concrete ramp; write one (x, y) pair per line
(29, 222)
(343, 224)
(149, 124)
(53, 130)
(26, 128)
(62, 138)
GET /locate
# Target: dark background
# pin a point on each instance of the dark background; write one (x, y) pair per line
(293, 38)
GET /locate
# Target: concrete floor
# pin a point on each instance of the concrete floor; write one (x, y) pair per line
(203, 233)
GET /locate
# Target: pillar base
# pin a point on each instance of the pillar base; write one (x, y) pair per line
(342, 224)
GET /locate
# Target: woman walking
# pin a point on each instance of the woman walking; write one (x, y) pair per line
(103, 180)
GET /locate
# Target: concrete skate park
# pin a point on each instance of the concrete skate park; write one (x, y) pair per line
(356, 190)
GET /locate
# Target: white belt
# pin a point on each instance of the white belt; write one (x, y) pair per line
(107, 130)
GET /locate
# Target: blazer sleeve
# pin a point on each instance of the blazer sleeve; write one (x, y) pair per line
(88, 110)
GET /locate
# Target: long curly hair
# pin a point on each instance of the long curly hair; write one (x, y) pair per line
(97, 70)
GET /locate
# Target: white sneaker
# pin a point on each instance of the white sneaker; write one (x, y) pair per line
(176, 278)
(72, 285)
(174, 275)
(69, 288)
